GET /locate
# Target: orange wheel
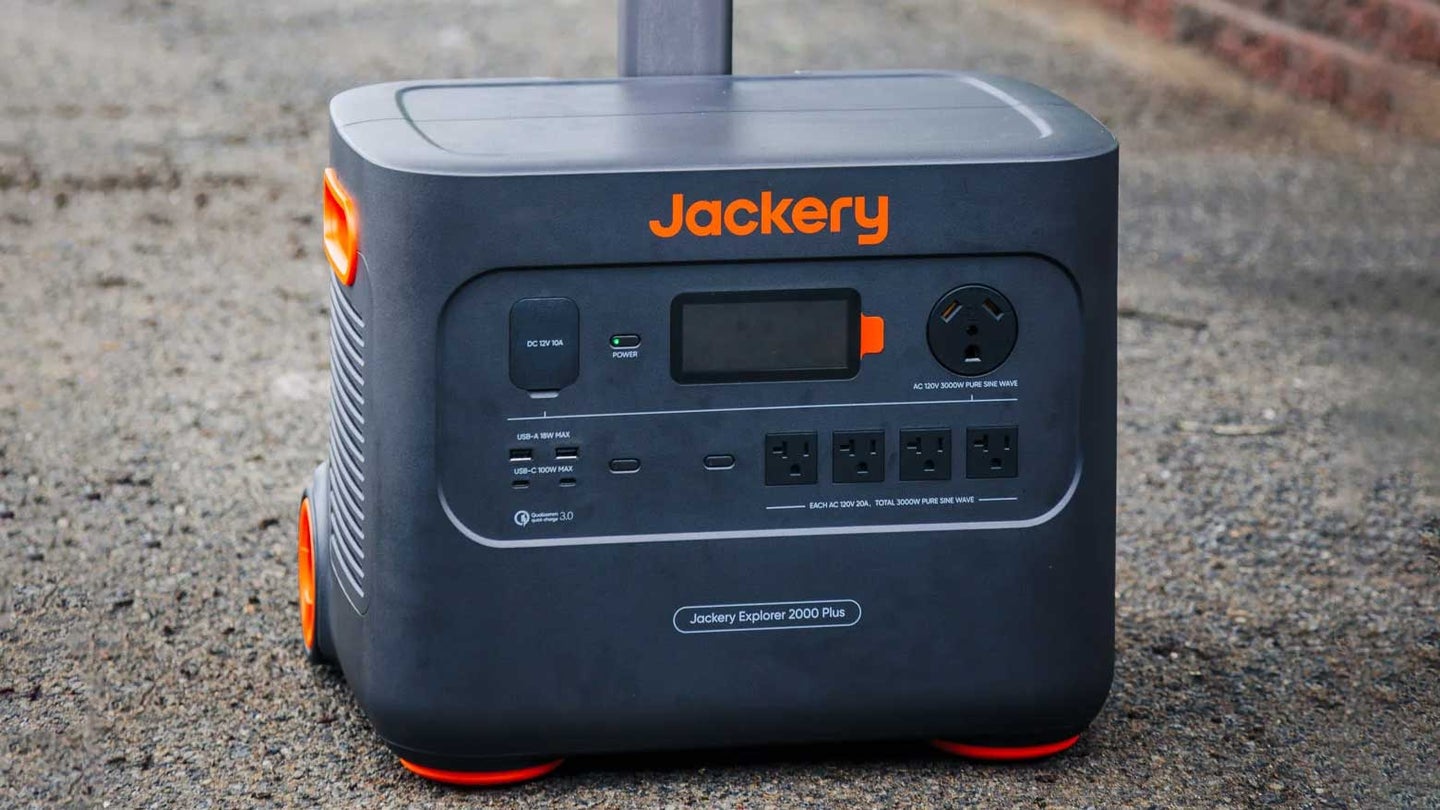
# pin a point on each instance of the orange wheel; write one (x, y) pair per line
(306, 567)
(993, 753)
(482, 778)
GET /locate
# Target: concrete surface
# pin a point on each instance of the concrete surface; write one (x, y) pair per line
(163, 375)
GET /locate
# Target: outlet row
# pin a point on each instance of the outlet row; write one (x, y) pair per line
(858, 456)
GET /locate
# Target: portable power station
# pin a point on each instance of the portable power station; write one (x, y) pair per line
(697, 410)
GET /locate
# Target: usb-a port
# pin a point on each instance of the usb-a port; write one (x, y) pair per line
(567, 453)
(521, 454)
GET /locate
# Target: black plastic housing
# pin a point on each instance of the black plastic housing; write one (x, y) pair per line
(478, 630)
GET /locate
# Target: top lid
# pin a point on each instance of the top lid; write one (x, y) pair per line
(539, 126)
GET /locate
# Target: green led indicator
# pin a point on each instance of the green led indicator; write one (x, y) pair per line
(614, 341)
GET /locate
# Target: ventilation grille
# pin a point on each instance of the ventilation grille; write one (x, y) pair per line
(347, 444)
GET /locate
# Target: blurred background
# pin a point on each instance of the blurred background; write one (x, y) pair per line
(163, 375)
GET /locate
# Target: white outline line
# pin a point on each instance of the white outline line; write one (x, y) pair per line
(750, 534)
(1015, 104)
(977, 500)
(547, 416)
(859, 611)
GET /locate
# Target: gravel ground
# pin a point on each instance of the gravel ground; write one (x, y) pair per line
(163, 375)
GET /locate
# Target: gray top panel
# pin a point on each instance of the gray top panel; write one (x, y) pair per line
(540, 126)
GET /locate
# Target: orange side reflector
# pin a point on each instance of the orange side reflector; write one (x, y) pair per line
(872, 334)
(342, 229)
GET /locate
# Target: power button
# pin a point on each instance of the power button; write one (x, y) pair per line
(544, 343)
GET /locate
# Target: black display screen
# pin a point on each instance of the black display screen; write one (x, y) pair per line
(763, 336)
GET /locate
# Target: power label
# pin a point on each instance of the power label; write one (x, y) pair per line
(739, 618)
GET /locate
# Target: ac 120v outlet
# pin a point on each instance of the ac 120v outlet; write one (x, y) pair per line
(857, 456)
(992, 452)
(972, 330)
(791, 458)
(925, 455)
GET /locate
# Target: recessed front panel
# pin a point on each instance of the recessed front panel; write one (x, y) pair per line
(767, 399)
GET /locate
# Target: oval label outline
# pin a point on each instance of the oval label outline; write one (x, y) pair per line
(749, 617)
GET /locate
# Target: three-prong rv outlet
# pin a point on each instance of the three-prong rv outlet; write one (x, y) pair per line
(655, 406)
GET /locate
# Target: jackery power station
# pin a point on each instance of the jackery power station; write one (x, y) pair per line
(700, 410)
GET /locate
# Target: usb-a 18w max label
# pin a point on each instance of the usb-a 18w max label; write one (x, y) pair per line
(736, 618)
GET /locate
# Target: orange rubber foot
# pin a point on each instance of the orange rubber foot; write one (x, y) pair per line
(482, 778)
(992, 753)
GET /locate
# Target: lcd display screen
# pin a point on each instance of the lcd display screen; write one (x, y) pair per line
(765, 336)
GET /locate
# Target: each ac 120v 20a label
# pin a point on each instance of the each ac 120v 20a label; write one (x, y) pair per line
(861, 503)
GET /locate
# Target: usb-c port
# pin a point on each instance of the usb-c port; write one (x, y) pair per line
(520, 483)
(567, 482)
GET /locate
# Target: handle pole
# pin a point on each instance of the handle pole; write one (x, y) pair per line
(675, 37)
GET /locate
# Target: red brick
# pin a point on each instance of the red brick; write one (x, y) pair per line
(1316, 74)
(1370, 101)
(1399, 29)
(1155, 17)
(1414, 35)
(1361, 23)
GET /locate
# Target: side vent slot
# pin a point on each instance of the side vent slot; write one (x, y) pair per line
(347, 445)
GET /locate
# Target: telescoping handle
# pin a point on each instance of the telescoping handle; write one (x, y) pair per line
(675, 37)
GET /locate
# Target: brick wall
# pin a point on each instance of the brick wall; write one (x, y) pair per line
(1397, 29)
(1378, 60)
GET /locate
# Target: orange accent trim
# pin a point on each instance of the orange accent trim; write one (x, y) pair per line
(342, 229)
(482, 778)
(991, 753)
(306, 568)
(872, 334)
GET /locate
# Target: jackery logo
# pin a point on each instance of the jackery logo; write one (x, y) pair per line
(785, 215)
